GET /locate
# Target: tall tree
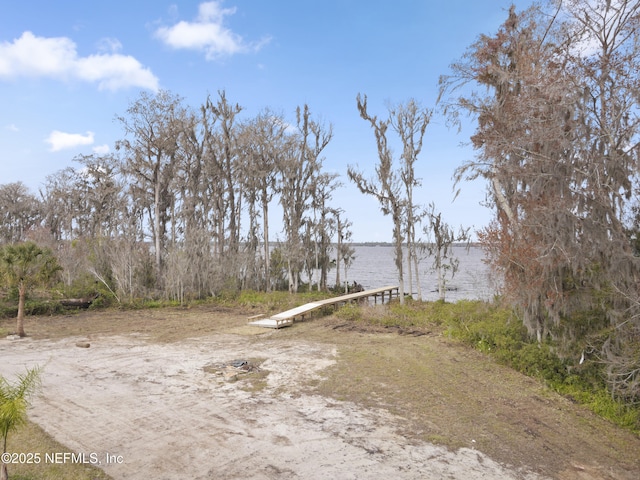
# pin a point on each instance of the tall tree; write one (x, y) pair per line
(322, 223)
(297, 172)
(100, 189)
(606, 53)
(221, 155)
(264, 144)
(386, 187)
(19, 212)
(22, 266)
(154, 125)
(410, 122)
(344, 251)
(557, 139)
(59, 204)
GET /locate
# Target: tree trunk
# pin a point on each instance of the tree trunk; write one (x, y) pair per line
(158, 232)
(441, 280)
(267, 267)
(290, 276)
(410, 265)
(4, 475)
(346, 280)
(416, 263)
(338, 254)
(399, 262)
(22, 290)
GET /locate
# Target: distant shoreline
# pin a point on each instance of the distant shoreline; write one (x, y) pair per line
(390, 244)
(382, 244)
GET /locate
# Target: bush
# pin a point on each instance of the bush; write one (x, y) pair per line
(349, 312)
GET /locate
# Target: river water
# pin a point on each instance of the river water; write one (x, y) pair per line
(374, 267)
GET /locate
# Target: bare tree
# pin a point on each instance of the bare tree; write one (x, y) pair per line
(440, 247)
(297, 172)
(264, 144)
(386, 187)
(154, 125)
(19, 212)
(99, 190)
(222, 160)
(59, 207)
(344, 251)
(322, 224)
(410, 122)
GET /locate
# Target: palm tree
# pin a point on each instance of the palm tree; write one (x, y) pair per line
(24, 265)
(13, 406)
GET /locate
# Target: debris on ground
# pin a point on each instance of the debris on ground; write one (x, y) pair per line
(231, 370)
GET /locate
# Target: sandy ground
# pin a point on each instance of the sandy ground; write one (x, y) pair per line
(160, 411)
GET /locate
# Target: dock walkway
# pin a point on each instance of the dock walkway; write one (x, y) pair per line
(285, 319)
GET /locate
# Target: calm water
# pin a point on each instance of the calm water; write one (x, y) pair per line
(374, 267)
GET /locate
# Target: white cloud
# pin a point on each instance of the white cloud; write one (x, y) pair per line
(208, 33)
(61, 140)
(32, 56)
(101, 149)
(12, 128)
(111, 45)
(113, 72)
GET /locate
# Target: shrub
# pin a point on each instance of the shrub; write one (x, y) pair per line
(350, 313)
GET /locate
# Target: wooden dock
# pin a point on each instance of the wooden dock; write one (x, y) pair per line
(285, 319)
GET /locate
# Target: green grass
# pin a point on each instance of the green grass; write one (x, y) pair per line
(30, 438)
(269, 302)
(497, 332)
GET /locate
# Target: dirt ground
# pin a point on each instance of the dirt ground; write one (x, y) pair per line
(154, 396)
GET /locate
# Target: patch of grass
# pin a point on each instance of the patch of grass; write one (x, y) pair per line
(350, 313)
(602, 403)
(255, 382)
(496, 331)
(30, 438)
(271, 301)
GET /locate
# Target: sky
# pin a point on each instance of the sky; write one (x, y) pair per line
(67, 69)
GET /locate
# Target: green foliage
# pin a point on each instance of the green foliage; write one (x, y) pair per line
(350, 312)
(14, 399)
(459, 319)
(40, 307)
(252, 298)
(271, 301)
(27, 264)
(82, 287)
(278, 269)
(488, 327)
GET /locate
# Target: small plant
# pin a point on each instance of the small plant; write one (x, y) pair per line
(23, 266)
(14, 399)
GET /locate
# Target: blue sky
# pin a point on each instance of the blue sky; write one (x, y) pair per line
(68, 68)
